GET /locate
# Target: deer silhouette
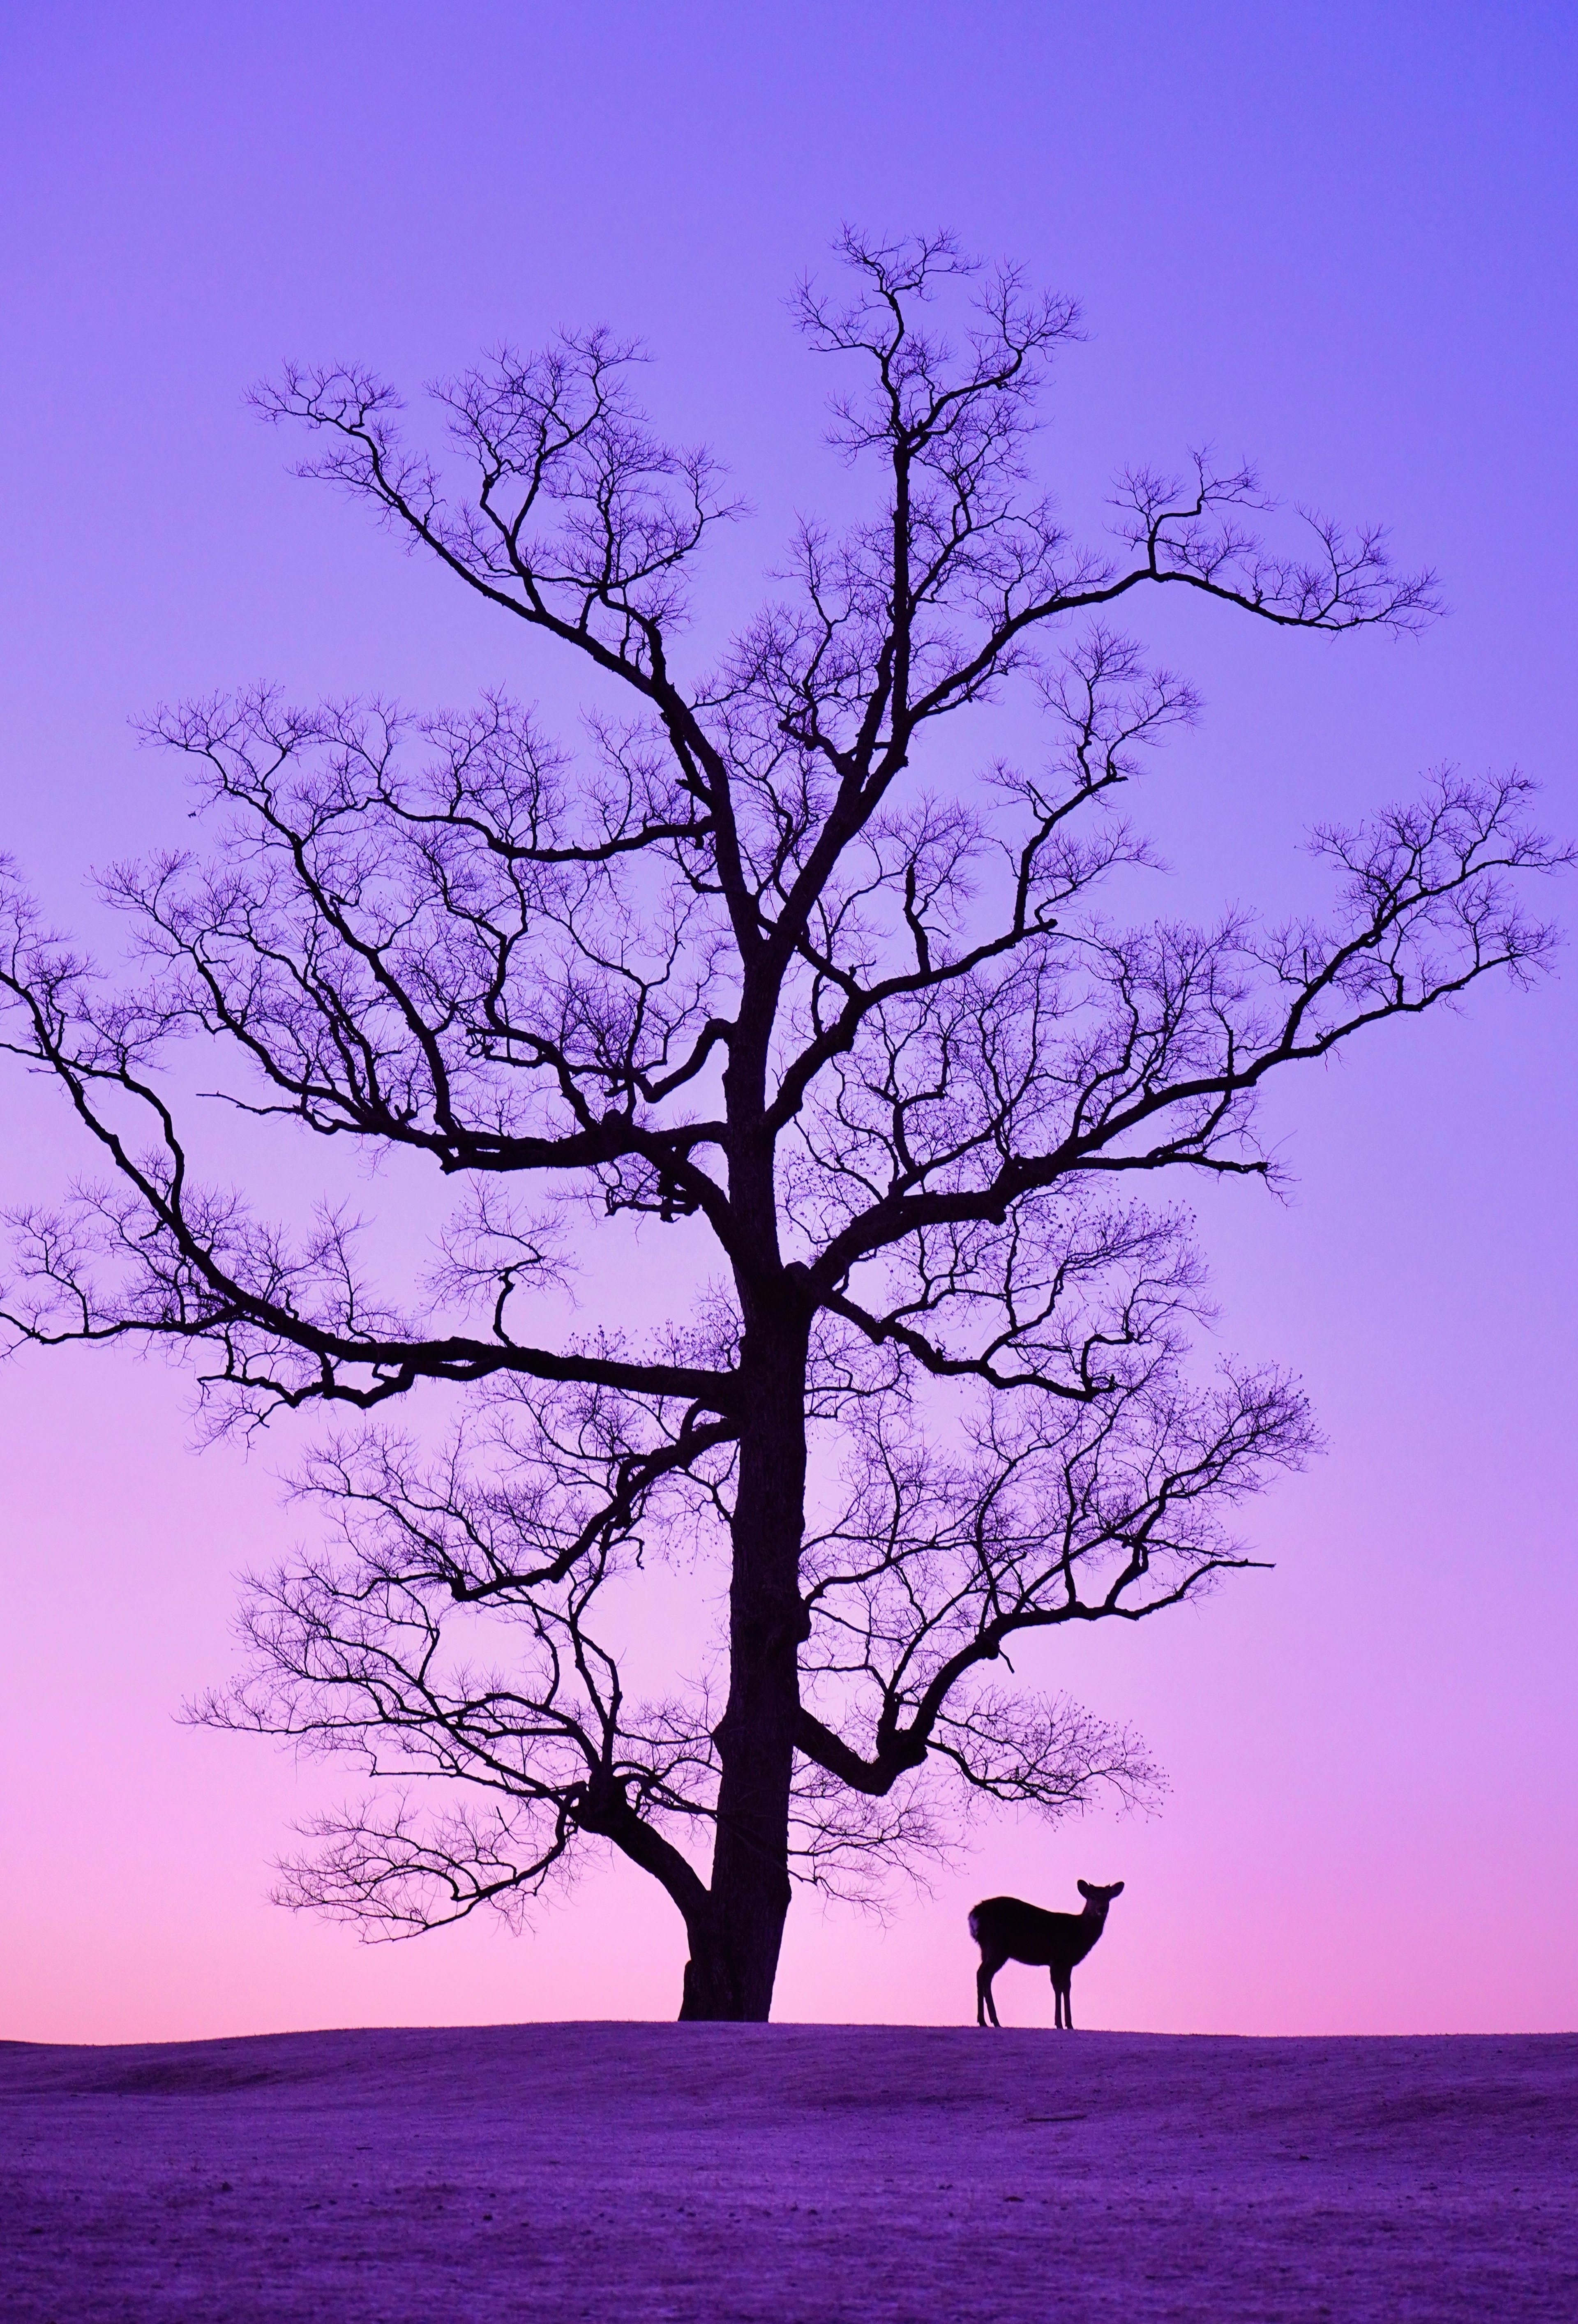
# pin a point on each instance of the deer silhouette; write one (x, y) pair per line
(1007, 1930)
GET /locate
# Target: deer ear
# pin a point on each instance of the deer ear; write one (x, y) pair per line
(1117, 1890)
(1083, 1887)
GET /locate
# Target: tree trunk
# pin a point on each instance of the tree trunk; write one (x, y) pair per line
(733, 1960)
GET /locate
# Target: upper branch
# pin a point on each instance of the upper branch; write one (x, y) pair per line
(583, 526)
(1164, 1072)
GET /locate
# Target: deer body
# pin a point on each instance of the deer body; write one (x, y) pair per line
(1007, 1930)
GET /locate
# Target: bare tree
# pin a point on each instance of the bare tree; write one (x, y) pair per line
(757, 957)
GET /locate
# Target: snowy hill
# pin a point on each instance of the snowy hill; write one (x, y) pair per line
(766, 2172)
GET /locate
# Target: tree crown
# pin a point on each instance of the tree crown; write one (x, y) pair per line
(734, 961)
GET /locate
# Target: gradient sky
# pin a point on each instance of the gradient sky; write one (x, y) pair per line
(1339, 239)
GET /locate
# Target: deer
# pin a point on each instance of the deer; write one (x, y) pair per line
(1007, 1930)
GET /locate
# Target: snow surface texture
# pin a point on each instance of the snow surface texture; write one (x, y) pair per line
(807, 2172)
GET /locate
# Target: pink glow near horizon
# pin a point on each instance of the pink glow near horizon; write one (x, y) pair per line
(1336, 243)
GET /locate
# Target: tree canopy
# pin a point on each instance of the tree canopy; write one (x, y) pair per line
(763, 949)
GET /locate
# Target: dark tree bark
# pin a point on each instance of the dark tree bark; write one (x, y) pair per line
(763, 959)
(767, 1623)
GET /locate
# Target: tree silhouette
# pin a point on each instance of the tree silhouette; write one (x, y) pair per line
(757, 956)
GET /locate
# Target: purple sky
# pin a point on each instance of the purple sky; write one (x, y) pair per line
(1338, 240)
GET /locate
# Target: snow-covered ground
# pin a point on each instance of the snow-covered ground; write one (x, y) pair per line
(644, 2171)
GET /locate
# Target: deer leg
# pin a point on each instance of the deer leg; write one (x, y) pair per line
(1059, 2005)
(984, 2003)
